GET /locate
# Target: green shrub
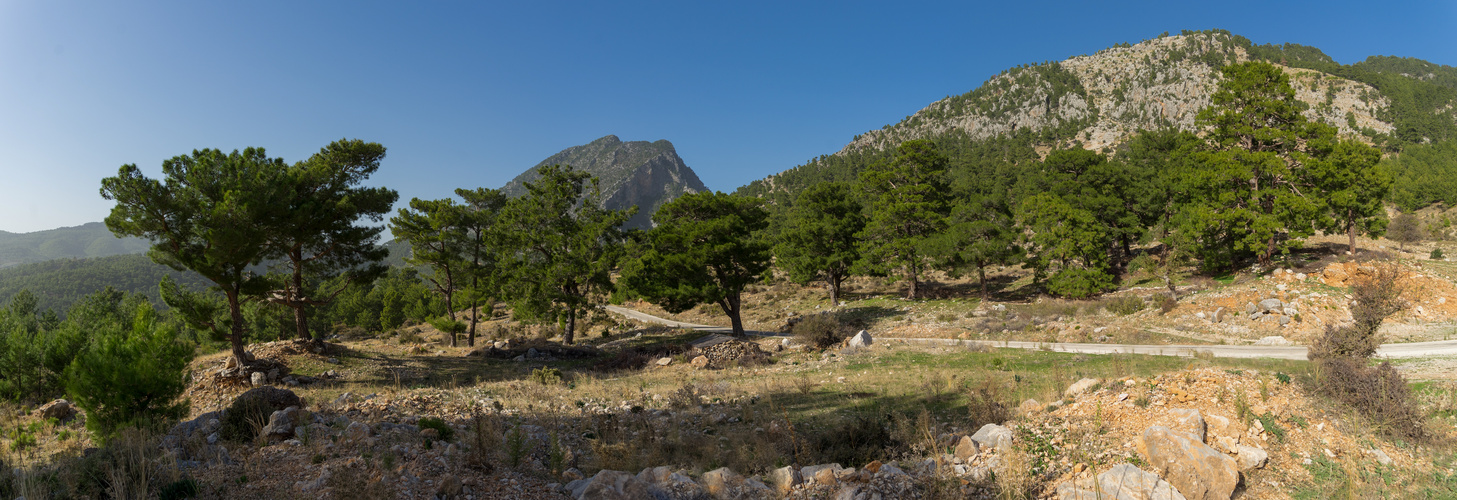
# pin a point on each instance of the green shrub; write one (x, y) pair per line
(822, 331)
(1166, 303)
(1124, 305)
(244, 418)
(1436, 254)
(1078, 282)
(130, 375)
(547, 376)
(447, 433)
(178, 490)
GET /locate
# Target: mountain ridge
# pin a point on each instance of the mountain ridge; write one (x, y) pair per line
(634, 173)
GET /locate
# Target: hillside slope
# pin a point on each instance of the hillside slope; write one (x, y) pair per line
(637, 173)
(87, 240)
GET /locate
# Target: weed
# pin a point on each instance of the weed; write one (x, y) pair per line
(244, 419)
(823, 331)
(179, 489)
(1141, 402)
(515, 446)
(1124, 305)
(1272, 426)
(556, 455)
(547, 376)
(444, 430)
(1282, 377)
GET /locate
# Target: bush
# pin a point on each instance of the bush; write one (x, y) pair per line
(1124, 305)
(130, 375)
(1378, 392)
(1437, 254)
(822, 331)
(547, 376)
(178, 490)
(446, 432)
(1078, 282)
(1166, 303)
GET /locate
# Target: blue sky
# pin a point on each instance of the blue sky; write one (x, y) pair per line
(468, 94)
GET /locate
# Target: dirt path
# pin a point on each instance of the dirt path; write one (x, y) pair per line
(1402, 350)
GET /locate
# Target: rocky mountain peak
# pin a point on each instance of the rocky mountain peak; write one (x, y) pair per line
(635, 173)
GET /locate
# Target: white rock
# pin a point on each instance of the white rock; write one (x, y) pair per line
(861, 339)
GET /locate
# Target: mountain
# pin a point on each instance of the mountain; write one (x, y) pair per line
(86, 240)
(59, 283)
(638, 173)
(1099, 101)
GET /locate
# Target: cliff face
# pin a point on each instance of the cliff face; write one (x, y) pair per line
(638, 173)
(1098, 101)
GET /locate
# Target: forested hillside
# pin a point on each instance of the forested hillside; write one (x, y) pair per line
(87, 240)
(1101, 101)
(57, 284)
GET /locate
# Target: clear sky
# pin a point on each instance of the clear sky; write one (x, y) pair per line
(468, 94)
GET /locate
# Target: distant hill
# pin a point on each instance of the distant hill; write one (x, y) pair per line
(86, 240)
(1099, 101)
(61, 282)
(640, 173)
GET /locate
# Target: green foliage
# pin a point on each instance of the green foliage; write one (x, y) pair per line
(820, 244)
(446, 432)
(1353, 186)
(87, 241)
(1069, 238)
(1124, 305)
(564, 245)
(908, 208)
(1424, 174)
(58, 284)
(707, 247)
(130, 374)
(212, 213)
(1436, 254)
(317, 234)
(179, 490)
(822, 331)
(546, 376)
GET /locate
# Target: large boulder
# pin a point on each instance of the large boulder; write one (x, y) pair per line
(1197, 470)
(1122, 482)
(281, 424)
(966, 449)
(993, 436)
(1250, 457)
(60, 409)
(618, 485)
(861, 339)
(1188, 421)
(276, 398)
(784, 479)
(1080, 387)
(1272, 305)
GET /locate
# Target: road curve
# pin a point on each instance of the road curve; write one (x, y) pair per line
(1402, 350)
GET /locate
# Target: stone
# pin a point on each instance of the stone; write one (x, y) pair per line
(60, 409)
(1273, 340)
(966, 449)
(719, 482)
(873, 467)
(616, 485)
(993, 436)
(1300, 276)
(1284, 320)
(665, 361)
(861, 339)
(276, 398)
(259, 379)
(1250, 308)
(1029, 406)
(356, 432)
(1188, 421)
(450, 487)
(1380, 456)
(1122, 482)
(1219, 425)
(1271, 305)
(280, 425)
(1227, 444)
(1250, 457)
(826, 476)
(1219, 315)
(700, 362)
(1080, 387)
(1198, 471)
(784, 479)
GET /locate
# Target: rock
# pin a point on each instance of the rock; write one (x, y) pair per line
(280, 425)
(700, 362)
(1219, 315)
(1250, 308)
(519, 359)
(616, 485)
(861, 339)
(450, 487)
(1122, 482)
(874, 466)
(1227, 444)
(966, 449)
(719, 482)
(1284, 320)
(1200, 315)
(1029, 406)
(1271, 305)
(664, 361)
(1080, 387)
(356, 432)
(1218, 425)
(1188, 421)
(813, 472)
(993, 436)
(276, 398)
(259, 379)
(1195, 469)
(1257, 315)
(1380, 456)
(784, 479)
(1250, 457)
(60, 409)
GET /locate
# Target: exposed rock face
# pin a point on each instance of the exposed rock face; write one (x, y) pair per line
(1195, 469)
(638, 173)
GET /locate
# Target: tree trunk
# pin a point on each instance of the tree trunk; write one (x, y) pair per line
(235, 336)
(911, 275)
(731, 306)
(1351, 232)
(570, 335)
(981, 277)
(301, 322)
(834, 282)
(296, 301)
